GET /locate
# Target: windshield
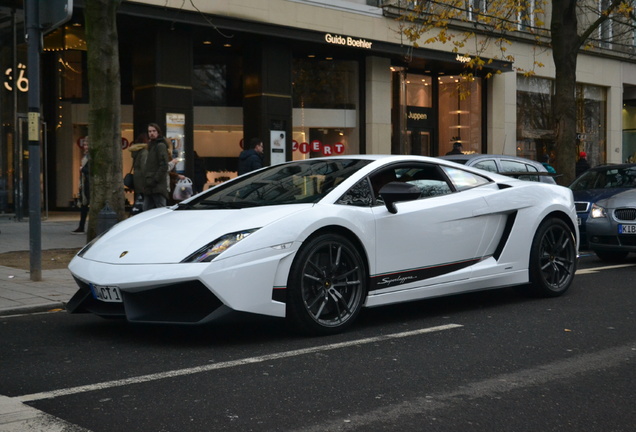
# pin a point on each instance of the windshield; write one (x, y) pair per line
(611, 177)
(305, 181)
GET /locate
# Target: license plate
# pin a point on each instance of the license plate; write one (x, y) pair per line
(106, 293)
(627, 229)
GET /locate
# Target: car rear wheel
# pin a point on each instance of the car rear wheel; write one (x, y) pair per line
(611, 257)
(552, 258)
(326, 286)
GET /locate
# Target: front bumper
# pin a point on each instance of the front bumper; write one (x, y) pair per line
(189, 293)
(602, 235)
(185, 303)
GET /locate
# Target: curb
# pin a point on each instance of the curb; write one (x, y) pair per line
(39, 308)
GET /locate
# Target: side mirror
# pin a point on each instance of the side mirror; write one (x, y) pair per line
(397, 191)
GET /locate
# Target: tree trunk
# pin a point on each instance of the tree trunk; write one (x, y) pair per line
(565, 47)
(104, 116)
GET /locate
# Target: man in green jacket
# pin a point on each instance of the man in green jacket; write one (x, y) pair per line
(156, 169)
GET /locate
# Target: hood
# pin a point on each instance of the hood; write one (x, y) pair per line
(595, 195)
(622, 199)
(168, 236)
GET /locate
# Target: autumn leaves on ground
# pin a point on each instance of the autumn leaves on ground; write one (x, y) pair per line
(51, 259)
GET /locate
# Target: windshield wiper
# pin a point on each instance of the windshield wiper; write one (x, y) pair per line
(225, 204)
(184, 206)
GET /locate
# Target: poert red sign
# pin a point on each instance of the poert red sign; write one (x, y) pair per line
(332, 149)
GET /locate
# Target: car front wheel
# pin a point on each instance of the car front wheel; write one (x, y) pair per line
(326, 286)
(552, 258)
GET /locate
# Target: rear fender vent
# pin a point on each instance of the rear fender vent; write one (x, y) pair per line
(503, 186)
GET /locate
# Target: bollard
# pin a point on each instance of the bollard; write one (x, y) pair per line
(106, 219)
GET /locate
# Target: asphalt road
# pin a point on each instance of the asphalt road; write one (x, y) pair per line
(489, 361)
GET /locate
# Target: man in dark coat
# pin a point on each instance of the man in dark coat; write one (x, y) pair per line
(156, 186)
(251, 158)
(581, 164)
(457, 149)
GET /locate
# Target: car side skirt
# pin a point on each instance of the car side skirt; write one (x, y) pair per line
(512, 278)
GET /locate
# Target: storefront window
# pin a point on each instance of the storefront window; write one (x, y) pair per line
(218, 115)
(460, 113)
(325, 102)
(13, 137)
(419, 90)
(535, 134)
(590, 122)
(629, 133)
(72, 75)
(209, 84)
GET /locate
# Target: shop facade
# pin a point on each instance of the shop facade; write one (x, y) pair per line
(314, 79)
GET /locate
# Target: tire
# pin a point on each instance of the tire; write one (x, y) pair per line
(553, 259)
(611, 257)
(327, 285)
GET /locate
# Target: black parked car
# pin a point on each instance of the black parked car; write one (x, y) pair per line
(596, 184)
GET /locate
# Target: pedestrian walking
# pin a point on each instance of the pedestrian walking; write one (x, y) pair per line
(581, 165)
(84, 188)
(546, 164)
(457, 149)
(156, 185)
(251, 158)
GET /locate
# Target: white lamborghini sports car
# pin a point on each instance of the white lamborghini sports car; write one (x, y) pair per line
(316, 240)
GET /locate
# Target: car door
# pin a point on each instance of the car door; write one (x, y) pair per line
(434, 239)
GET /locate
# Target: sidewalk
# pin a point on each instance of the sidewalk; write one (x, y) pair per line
(18, 293)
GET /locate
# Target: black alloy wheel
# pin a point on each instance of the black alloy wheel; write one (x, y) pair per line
(553, 258)
(327, 285)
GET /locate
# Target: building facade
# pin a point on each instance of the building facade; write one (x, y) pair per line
(309, 77)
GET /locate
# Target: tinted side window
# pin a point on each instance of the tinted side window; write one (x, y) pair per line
(429, 178)
(463, 180)
(359, 195)
(508, 166)
(487, 165)
(531, 169)
(515, 167)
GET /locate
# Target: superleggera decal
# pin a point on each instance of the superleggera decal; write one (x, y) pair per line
(388, 280)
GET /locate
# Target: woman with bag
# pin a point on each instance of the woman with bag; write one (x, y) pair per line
(139, 154)
(182, 189)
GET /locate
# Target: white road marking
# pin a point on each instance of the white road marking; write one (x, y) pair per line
(496, 386)
(228, 364)
(598, 269)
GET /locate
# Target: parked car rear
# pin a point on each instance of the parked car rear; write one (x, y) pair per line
(515, 166)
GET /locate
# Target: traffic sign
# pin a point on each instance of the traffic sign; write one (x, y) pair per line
(54, 13)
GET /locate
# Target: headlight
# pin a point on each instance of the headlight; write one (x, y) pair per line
(210, 251)
(597, 212)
